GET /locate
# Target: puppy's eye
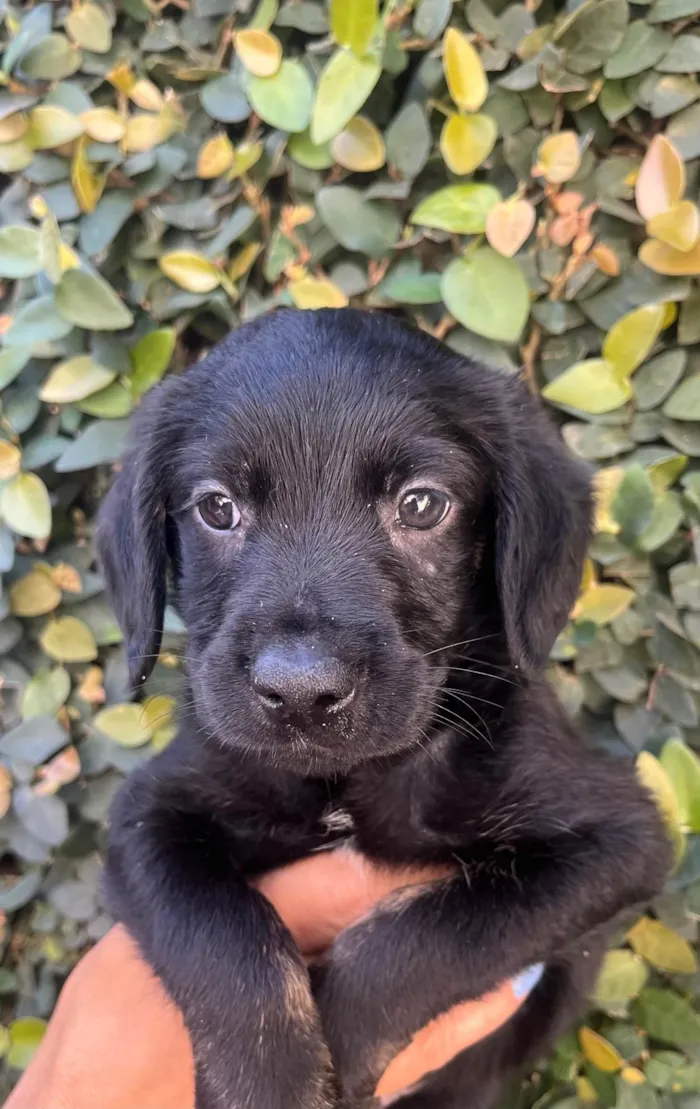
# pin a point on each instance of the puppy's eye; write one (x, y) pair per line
(423, 508)
(218, 512)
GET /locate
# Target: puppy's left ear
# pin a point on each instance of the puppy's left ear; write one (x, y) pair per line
(543, 521)
(131, 544)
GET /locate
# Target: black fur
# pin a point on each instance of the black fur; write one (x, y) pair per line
(453, 748)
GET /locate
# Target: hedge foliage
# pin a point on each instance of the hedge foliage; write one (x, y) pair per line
(523, 179)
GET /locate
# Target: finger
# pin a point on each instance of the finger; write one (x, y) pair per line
(321, 895)
(452, 1032)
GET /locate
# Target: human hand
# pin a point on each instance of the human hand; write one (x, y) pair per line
(117, 1041)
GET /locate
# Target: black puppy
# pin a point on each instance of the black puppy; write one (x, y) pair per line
(373, 543)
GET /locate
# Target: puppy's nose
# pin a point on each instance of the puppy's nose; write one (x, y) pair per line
(301, 679)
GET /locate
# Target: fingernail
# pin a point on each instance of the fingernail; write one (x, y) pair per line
(526, 982)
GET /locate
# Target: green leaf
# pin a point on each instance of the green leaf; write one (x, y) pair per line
(684, 402)
(51, 126)
(12, 362)
(285, 99)
(488, 294)
(368, 226)
(75, 379)
(408, 140)
(25, 506)
(90, 27)
(150, 358)
(86, 300)
(683, 768)
(37, 739)
(642, 47)
(37, 321)
(353, 23)
(633, 503)
(630, 340)
(461, 209)
(667, 1017)
(19, 252)
(43, 696)
(655, 380)
(111, 403)
(622, 976)
(593, 386)
(343, 87)
(52, 59)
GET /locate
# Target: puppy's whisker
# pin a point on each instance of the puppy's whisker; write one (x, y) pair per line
(483, 674)
(453, 720)
(460, 643)
(465, 695)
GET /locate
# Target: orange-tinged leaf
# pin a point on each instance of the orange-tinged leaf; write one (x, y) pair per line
(509, 225)
(467, 141)
(91, 688)
(661, 178)
(62, 769)
(605, 259)
(66, 577)
(316, 292)
(13, 127)
(630, 340)
(359, 146)
(87, 185)
(599, 1051)
(103, 124)
(10, 459)
(679, 227)
(215, 157)
(5, 790)
(259, 51)
(190, 271)
(664, 259)
(558, 157)
(464, 71)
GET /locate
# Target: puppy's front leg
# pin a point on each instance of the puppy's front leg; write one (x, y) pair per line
(219, 947)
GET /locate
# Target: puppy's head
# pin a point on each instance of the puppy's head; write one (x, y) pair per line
(344, 504)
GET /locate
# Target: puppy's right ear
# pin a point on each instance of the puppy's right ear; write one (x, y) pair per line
(131, 548)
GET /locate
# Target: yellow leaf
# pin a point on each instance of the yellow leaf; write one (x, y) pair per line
(62, 769)
(75, 379)
(661, 179)
(588, 577)
(632, 1076)
(464, 71)
(144, 131)
(67, 257)
(68, 639)
(585, 1090)
(663, 948)
(605, 259)
(158, 712)
(146, 95)
(316, 292)
(241, 262)
(259, 51)
(190, 271)
(599, 1051)
(603, 603)
(10, 459)
(87, 186)
(122, 78)
(245, 156)
(215, 157)
(51, 126)
(89, 26)
(592, 386)
(359, 146)
(665, 472)
(630, 340)
(679, 227)
(34, 595)
(663, 259)
(353, 23)
(509, 225)
(26, 506)
(126, 724)
(605, 485)
(558, 157)
(654, 778)
(467, 141)
(103, 124)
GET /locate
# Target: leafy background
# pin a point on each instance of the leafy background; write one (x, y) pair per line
(522, 179)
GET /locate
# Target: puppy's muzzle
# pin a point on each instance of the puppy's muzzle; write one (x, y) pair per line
(301, 683)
